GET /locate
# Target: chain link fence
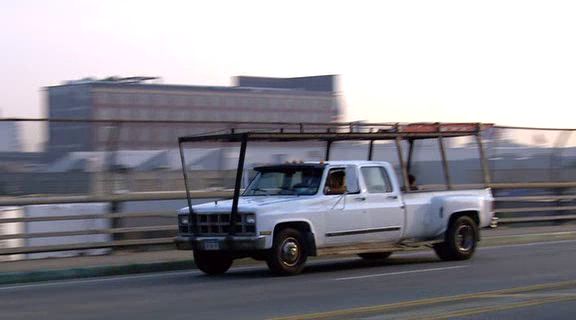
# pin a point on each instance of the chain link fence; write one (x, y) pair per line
(72, 157)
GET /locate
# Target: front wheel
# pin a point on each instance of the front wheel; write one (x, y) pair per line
(288, 254)
(460, 240)
(212, 263)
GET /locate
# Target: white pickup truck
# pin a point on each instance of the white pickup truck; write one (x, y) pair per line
(295, 210)
(292, 211)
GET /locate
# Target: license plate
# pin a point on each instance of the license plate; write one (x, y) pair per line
(211, 245)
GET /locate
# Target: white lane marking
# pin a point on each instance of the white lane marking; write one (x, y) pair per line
(425, 251)
(526, 244)
(398, 273)
(558, 233)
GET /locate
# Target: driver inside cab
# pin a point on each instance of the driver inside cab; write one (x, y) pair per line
(336, 182)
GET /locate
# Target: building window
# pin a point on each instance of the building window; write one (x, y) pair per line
(116, 98)
(124, 134)
(181, 101)
(265, 103)
(102, 113)
(170, 134)
(102, 98)
(214, 101)
(156, 100)
(165, 114)
(125, 98)
(126, 113)
(229, 102)
(103, 133)
(144, 99)
(200, 101)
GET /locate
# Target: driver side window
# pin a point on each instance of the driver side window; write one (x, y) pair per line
(335, 182)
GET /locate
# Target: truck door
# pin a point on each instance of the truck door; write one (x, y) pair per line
(383, 204)
(346, 218)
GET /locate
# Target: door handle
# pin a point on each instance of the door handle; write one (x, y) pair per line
(360, 198)
(392, 197)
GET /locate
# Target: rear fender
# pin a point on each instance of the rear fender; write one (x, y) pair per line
(443, 209)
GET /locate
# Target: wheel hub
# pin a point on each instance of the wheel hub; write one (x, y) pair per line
(290, 252)
(464, 238)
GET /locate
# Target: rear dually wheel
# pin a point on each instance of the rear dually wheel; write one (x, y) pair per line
(460, 240)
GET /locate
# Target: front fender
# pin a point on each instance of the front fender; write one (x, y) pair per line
(270, 223)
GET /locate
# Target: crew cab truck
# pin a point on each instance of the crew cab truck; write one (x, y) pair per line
(295, 210)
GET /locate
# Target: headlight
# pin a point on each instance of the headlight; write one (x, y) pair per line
(251, 219)
(184, 219)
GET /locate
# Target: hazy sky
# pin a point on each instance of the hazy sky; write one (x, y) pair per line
(509, 62)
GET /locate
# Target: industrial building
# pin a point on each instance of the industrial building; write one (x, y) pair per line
(10, 137)
(254, 99)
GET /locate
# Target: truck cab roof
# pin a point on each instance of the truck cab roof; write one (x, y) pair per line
(352, 162)
(314, 164)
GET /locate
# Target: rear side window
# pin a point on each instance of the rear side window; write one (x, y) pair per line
(376, 179)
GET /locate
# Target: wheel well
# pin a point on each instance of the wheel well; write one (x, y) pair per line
(303, 227)
(472, 214)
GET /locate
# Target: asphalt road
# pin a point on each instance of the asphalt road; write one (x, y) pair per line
(528, 281)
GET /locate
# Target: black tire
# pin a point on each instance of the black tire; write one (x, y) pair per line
(212, 263)
(288, 253)
(460, 240)
(375, 255)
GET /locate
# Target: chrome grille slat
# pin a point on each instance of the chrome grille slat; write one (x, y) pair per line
(217, 224)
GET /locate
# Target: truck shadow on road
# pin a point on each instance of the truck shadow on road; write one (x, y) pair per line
(332, 265)
(347, 265)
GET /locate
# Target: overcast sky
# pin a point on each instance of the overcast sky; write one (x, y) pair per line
(509, 62)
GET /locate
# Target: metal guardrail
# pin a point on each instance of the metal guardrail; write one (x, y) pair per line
(537, 219)
(124, 197)
(149, 196)
(85, 246)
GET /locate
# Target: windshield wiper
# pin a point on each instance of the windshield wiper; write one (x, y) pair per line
(288, 191)
(260, 190)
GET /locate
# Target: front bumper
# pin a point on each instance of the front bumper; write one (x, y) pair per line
(229, 243)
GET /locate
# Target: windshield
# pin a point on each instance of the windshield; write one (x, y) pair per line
(285, 181)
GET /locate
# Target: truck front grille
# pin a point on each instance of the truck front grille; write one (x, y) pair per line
(218, 224)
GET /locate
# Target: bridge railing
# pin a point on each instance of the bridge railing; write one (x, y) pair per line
(509, 210)
(119, 162)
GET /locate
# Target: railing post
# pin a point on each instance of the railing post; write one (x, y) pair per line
(370, 150)
(398, 141)
(116, 223)
(328, 147)
(445, 167)
(191, 216)
(410, 155)
(111, 149)
(483, 161)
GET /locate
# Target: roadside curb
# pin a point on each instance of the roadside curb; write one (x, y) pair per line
(93, 272)
(138, 268)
